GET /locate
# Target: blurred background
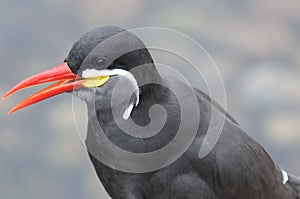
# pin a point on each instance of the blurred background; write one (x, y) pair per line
(256, 46)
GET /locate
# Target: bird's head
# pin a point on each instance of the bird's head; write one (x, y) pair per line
(98, 57)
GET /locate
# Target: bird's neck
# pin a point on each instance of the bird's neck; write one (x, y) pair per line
(151, 94)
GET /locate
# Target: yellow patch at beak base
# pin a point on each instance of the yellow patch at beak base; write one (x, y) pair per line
(95, 81)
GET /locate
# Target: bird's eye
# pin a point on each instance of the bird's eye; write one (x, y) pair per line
(100, 61)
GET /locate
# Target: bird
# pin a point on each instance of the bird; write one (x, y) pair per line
(100, 68)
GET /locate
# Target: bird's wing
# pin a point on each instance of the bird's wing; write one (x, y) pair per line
(237, 164)
(216, 105)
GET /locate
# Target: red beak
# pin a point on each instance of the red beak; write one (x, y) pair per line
(67, 81)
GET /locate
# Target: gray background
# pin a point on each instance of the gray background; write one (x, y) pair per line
(256, 46)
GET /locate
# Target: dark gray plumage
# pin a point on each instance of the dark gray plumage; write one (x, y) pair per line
(237, 167)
